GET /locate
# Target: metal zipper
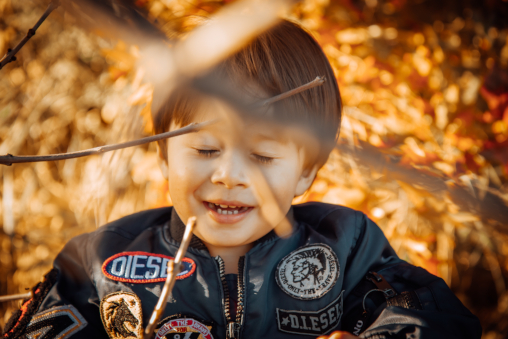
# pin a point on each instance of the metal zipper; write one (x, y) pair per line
(233, 327)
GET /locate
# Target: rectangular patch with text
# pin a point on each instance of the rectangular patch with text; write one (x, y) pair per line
(313, 323)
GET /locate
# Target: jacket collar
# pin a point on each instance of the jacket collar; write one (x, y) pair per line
(177, 229)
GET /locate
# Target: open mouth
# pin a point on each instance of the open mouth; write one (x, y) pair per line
(226, 209)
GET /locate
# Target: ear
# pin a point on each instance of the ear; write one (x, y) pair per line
(163, 163)
(306, 180)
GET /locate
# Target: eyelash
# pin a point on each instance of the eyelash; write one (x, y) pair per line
(206, 152)
(262, 159)
(209, 152)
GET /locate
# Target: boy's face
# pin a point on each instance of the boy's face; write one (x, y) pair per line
(237, 177)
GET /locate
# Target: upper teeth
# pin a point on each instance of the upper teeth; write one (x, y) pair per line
(226, 206)
(223, 211)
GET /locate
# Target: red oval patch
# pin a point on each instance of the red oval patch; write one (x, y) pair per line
(143, 267)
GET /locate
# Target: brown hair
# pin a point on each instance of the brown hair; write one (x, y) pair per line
(281, 59)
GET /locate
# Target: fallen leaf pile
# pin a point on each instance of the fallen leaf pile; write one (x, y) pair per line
(422, 150)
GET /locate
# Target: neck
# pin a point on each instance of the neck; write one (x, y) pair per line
(230, 255)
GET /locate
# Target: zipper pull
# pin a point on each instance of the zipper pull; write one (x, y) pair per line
(233, 330)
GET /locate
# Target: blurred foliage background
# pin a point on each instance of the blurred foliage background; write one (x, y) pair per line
(423, 147)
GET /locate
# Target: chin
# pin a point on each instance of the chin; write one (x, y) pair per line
(228, 242)
(220, 239)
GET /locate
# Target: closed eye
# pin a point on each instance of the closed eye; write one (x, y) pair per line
(207, 152)
(263, 159)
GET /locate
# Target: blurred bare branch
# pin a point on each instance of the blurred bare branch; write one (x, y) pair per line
(11, 297)
(115, 19)
(225, 33)
(174, 267)
(492, 206)
(11, 159)
(11, 53)
(314, 83)
(168, 66)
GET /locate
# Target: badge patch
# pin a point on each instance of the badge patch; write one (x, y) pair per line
(184, 328)
(309, 272)
(122, 316)
(313, 323)
(143, 267)
(56, 323)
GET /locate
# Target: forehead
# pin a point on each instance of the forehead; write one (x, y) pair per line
(232, 123)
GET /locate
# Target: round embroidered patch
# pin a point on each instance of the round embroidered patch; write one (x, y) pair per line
(309, 272)
(184, 328)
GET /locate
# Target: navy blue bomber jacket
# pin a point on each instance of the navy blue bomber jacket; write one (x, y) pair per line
(336, 271)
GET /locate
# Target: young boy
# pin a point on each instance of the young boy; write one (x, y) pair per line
(256, 267)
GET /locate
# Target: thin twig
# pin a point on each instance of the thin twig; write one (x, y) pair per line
(11, 159)
(314, 83)
(12, 297)
(173, 269)
(11, 53)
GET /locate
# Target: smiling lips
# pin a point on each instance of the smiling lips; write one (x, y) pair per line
(227, 213)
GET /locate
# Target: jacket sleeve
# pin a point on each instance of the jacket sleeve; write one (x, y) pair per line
(422, 305)
(63, 305)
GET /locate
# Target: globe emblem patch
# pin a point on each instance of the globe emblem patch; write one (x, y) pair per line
(309, 272)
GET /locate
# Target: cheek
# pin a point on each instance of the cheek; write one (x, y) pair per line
(184, 177)
(176, 180)
(284, 180)
(184, 180)
(183, 173)
(282, 183)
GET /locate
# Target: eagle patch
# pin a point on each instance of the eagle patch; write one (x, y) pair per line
(143, 267)
(308, 272)
(122, 316)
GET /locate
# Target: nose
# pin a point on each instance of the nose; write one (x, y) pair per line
(231, 171)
